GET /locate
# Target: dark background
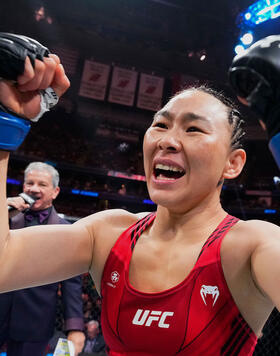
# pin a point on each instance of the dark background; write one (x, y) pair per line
(165, 38)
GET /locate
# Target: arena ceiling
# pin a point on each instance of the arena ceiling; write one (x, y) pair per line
(163, 36)
(165, 29)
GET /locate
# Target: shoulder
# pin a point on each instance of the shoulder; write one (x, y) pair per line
(110, 220)
(257, 229)
(247, 236)
(105, 227)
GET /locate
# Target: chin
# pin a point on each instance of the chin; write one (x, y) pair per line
(37, 207)
(166, 200)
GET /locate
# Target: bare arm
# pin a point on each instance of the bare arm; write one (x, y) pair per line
(44, 254)
(39, 254)
(265, 261)
(48, 253)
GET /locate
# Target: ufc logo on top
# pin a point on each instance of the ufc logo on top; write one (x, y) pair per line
(148, 317)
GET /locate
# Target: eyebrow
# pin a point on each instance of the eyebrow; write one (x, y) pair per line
(188, 116)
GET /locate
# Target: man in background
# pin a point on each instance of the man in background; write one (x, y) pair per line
(27, 317)
(94, 344)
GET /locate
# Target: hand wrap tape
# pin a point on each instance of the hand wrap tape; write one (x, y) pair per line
(48, 100)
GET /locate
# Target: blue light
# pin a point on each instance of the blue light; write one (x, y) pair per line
(89, 194)
(270, 211)
(261, 11)
(84, 192)
(75, 191)
(15, 182)
(148, 201)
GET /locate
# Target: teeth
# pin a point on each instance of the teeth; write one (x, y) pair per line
(162, 177)
(168, 168)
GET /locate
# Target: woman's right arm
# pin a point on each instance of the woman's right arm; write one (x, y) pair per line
(40, 254)
(48, 253)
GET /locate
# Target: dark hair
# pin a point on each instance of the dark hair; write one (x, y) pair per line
(234, 116)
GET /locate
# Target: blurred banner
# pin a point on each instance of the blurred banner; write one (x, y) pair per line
(123, 86)
(69, 57)
(94, 80)
(150, 92)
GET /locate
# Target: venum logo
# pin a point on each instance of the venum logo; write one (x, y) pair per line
(147, 317)
(115, 277)
(212, 290)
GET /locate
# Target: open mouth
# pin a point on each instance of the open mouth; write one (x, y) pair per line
(166, 172)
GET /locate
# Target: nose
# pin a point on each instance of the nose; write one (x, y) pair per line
(170, 142)
(33, 189)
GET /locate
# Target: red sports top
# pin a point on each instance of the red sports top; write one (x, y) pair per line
(198, 317)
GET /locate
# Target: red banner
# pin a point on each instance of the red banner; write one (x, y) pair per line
(94, 80)
(150, 92)
(123, 86)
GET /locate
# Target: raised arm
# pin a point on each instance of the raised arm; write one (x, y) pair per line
(40, 254)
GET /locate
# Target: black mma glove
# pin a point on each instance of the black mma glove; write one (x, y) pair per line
(13, 51)
(255, 76)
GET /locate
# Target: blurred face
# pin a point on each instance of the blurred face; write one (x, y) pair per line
(187, 150)
(92, 330)
(39, 184)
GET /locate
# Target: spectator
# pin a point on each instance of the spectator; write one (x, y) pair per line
(94, 339)
(27, 317)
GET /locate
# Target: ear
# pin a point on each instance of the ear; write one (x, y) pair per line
(55, 192)
(235, 164)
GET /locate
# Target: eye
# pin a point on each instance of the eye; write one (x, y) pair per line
(194, 129)
(161, 125)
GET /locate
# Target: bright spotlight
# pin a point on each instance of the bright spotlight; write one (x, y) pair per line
(239, 49)
(276, 180)
(261, 11)
(247, 15)
(247, 38)
(202, 57)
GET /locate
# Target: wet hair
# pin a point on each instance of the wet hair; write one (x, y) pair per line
(43, 167)
(234, 116)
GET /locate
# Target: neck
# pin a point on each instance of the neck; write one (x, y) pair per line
(194, 224)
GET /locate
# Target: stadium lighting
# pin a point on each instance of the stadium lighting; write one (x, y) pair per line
(239, 49)
(247, 15)
(247, 38)
(255, 15)
(261, 11)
